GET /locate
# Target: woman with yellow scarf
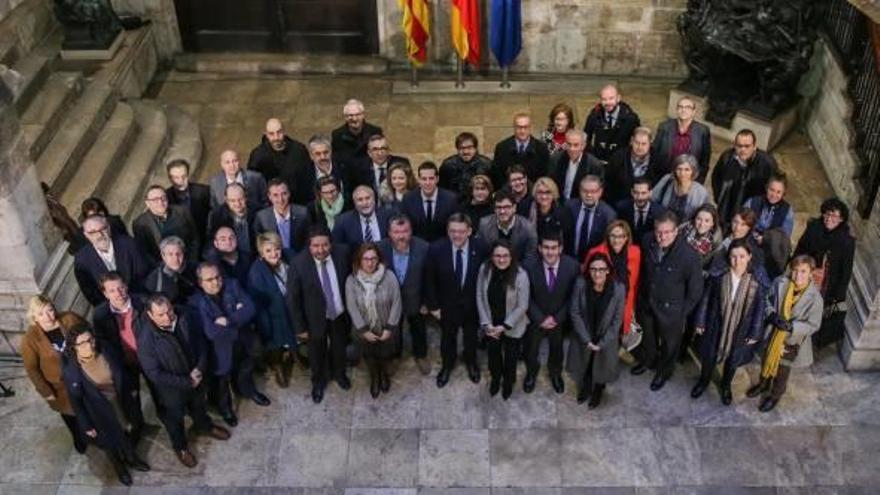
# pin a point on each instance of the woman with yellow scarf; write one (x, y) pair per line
(794, 313)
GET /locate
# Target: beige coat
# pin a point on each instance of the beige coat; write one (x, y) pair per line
(806, 318)
(516, 301)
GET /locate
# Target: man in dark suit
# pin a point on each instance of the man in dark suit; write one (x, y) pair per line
(323, 164)
(682, 135)
(591, 218)
(365, 223)
(671, 286)
(407, 257)
(520, 149)
(628, 164)
(552, 278)
(574, 165)
(193, 196)
(350, 139)
(506, 224)
(236, 213)
(373, 170)
(610, 124)
(451, 286)
(103, 254)
(234, 262)
(639, 211)
(289, 221)
(316, 301)
(457, 170)
(175, 277)
(161, 220)
(174, 357)
(278, 155)
(740, 173)
(253, 182)
(429, 206)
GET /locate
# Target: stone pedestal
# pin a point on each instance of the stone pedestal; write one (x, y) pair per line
(860, 349)
(768, 133)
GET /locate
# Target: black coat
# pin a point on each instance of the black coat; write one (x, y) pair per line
(167, 358)
(837, 248)
(284, 164)
(362, 171)
(307, 179)
(177, 288)
(238, 271)
(457, 303)
(305, 296)
(619, 175)
(535, 160)
(603, 216)
(348, 147)
(179, 222)
(105, 326)
(88, 268)
(223, 217)
(456, 175)
(733, 184)
(558, 220)
(604, 140)
(626, 211)
(589, 165)
(198, 203)
(542, 301)
(445, 205)
(412, 290)
(670, 287)
(701, 147)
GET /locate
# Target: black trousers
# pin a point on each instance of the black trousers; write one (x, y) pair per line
(79, 438)
(449, 342)
(176, 406)
(503, 355)
(727, 373)
(661, 343)
(242, 373)
(334, 340)
(532, 343)
(418, 334)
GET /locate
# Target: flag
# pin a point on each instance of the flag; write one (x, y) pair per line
(465, 25)
(505, 35)
(416, 26)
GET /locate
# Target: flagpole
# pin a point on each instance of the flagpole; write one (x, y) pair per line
(505, 82)
(459, 69)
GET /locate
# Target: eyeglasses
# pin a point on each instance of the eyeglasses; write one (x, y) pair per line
(89, 340)
(161, 199)
(102, 230)
(598, 270)
(686, 107)
(503, 207)
(617, 236)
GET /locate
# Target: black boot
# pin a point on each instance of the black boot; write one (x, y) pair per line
(596, 396)
(699, 388)
(384, 379)
(494, 387)
(120, 468)
(758, 389)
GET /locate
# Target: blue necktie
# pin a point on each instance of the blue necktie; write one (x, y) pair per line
(459, 267)
(284, 232)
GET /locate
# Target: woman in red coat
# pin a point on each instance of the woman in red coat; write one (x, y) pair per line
(626, 259)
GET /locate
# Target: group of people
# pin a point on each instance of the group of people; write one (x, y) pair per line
(327, 252)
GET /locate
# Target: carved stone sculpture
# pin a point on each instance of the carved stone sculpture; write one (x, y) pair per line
(88, 24)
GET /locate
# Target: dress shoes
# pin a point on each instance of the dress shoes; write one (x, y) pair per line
(260, 399)
(638, 369)
(230, 418)
(558, 383)
(219, 433)
(658, 382)
(583, 395)
(596, 397)
(187, 458)
(124, 477)
(768, 404)
(506, 391)
(138, 464)
(374, 387)
(529, 383)
(442, 378)
(80, 446)
(726, 396)
(758, 389)
(698, 389)
(474, 373)
(423, 365)
(494, 387)
(317, 393)
(121, 470)
(343, 382)
(384, 381)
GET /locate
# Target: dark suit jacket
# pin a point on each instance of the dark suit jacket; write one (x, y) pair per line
(168, 358)
(347, 146)
(223, 216)
(626, 211)
(535, 160)
(307, 180)
(672, 286)
(179, 222)
(199, 205)
(348, 229)
(601, 218)
(542, 301)
(104, 321)
(589, 165)
(254, 185)
(619, 176)
(88, 267)
(238, 271)
(299, 225)
(457, 303)
(364, 175)
(445, 205)
(412, 291)
(701, 146)
(305, 296)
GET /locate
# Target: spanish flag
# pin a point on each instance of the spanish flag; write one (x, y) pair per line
(466, 30)
(416, 27)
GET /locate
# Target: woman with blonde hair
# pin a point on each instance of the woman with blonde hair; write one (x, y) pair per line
(42, 348)
(546, 214)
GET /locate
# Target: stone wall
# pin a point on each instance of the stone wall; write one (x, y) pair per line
(609, 37)
(166, 35)
(24, 23)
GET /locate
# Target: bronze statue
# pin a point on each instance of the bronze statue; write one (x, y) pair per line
(88, 24)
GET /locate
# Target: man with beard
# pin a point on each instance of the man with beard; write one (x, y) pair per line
(740, 173)
(364, 224)
(323, 164)
(456, 170)
(191, 195)
(610, 124)
(373, 170)
(628, 164)
(350, 139)
(639, 211)
(106, 253)
(278, 155)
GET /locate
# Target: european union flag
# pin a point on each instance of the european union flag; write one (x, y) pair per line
(505, 36)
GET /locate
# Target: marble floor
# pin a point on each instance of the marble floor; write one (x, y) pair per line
(824, 437)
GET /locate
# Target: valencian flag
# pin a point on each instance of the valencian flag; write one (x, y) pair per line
(416, 27)
(505, 35)
(466, 30)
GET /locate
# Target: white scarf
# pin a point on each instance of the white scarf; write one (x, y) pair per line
(370, 282)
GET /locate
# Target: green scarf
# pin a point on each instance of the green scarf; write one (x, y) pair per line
(331, 211)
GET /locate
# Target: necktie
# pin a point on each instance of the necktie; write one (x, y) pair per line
(640, 220)
(521, 148)
(583, 230)
(459, 267)
(429, 210)
(610, 120)
(284, 233)
(381, 174)
(368, 231)
(551, 275)
(328, 292)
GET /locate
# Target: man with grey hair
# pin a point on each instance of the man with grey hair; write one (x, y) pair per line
(365, 223)
(278, 155)
(175, 276)
(610, 124)
(628, 164)
(350, 139)
(323, 163)
(592, 216)
(574, 165)
(105, 253)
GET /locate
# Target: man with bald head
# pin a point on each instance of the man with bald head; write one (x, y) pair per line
(350, 139)
(236, 214)
(278, 155)
(253, 182)
(610, 124)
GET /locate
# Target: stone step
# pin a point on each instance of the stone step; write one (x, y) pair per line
(280, 63)
(100, 167)
(186, 144)
(33, 69)
(8, 49)
(146, 154)
(58, 162)
(44, 116)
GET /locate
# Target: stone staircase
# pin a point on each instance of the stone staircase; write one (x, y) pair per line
(86, 139)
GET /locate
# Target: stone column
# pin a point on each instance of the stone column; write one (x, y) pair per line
(860, 349)
(26, 232)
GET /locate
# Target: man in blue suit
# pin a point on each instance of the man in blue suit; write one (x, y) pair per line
(452, 293)
(365, 223)
(407, 257)
(592, 216)
(429, 206)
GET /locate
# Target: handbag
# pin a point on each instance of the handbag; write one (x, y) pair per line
(633, 338)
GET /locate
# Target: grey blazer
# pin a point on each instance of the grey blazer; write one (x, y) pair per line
(523, 237)
(696, 197)
(806, 318)
(254, 185)
(517, 301)
(388, 305)
(606, 362)
(264, 221)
